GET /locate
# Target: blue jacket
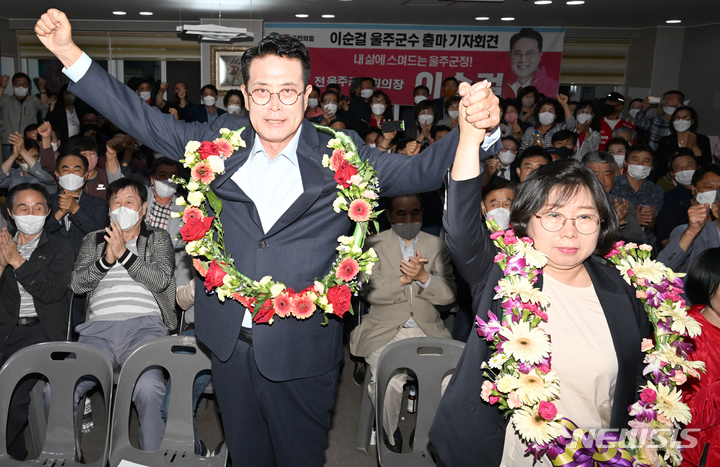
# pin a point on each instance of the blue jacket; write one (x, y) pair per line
(301, 244)
(680, 261)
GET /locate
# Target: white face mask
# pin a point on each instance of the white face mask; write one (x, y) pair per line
(425, 119)
(24, 166)
(20, 91)
(546, 118)
(633, 112)
(584, 118)
(501, 216)
(366, 93)
(453, 114)
(209, 101)
(506, 156)
(312, 102)
(669, 109)
(164, 188)
(639, 172)
(145, 95)
(372, 145)
(71, 182)
(707, 197)
(684, 177)
(681, 125)
(619, 160)
(419, 98)
(233, 109)
(377, 109)
(126, 217)
(330, 108)
(54, 146)
(30, 225)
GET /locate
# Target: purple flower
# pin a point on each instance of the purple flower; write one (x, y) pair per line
(489, 329)
(683, 348)
(642, 412)
(515, 265)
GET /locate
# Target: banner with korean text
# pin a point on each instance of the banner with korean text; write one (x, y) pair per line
(401, 57)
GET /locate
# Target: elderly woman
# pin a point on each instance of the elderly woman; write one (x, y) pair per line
(703, 395)
(596, 323)
(552, 116)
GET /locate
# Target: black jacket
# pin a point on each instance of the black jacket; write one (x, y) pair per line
(92, 216)
(45, 276)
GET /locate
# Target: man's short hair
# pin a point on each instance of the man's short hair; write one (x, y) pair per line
(511, 138)
(623, 129)
(391, 200)
(439, 128)
(339, 120)
(564, 135)
(497, 183)
(73, 153)
(123, 183)
(279, 46)
(30, 144)
(704, 170)
(534, 151)
(529, 33)
(140, 81)
(667, 93)
(162, 160)
(210, 87)
(31, 127)
(15, 191)
(21, 75)
(621, 141)
(680, 152)
(640, 148)
(373, 129)
(423, 87)
(334, 86)
(84, 144)
(367, 78)
(599, 157)
(329, 91)
(450, 78)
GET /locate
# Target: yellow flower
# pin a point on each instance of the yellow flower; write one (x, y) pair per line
(506, 384)
(525, 344)
(532, 427)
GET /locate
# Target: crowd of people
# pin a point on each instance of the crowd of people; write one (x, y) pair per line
(89, 219)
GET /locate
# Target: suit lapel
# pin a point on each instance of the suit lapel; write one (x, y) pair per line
(393, 249)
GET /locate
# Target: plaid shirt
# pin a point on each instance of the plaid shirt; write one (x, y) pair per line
(656, 126)
(158, 216)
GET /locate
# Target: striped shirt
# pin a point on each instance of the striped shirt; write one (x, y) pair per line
(27, 304)
(119, 297)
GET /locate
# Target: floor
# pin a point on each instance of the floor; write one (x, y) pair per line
(341, 442)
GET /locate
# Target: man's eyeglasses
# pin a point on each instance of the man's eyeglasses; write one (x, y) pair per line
(262, 96)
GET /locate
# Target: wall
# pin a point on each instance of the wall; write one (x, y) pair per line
(699, 72)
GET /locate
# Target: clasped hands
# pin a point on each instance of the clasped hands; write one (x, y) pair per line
(115, 242)
(414, 270)
(9, 254)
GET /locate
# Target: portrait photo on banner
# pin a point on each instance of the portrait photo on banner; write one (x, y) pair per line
(225, 68)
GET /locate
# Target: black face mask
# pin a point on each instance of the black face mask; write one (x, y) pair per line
(608, 110)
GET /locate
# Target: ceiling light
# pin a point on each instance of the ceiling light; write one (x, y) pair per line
(146, 13)
(301, 15)
(119, 13)
(576, 2)
(673, 21)
(543, 2)
(482, 18)
(507, 18)
(328, 16)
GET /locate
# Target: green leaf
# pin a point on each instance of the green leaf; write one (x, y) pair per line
(215, 202)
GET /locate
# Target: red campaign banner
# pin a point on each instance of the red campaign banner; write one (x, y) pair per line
(400, 57)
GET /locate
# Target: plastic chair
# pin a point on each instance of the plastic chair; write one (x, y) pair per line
(367, 417)
(48, 359)
(430, 359)
(178, 445)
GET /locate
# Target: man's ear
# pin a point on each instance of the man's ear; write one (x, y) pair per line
(246, 96)
(143, 209)
(482, 208)
(57, 177)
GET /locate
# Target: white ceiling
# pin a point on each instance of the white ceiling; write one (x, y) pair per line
(594, 13)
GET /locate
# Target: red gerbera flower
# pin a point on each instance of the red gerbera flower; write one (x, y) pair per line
(347, 270)
(337, 158)
(191, 212)
(224, 147)
(202, 172)
(283, 305)
(302, 306)
(360, 210)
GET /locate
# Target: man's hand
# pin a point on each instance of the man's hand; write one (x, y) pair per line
(492, 165)
(9, 250)
(697, 217)
(645, 104)
(412, 148)
(115, 242)
(41, 84)
(54, 31)
(18, 142)
(622, 209)
(44, 130)
(4, 81)
(479, 106)
(414, 269)
(646, 215)
(67, 202)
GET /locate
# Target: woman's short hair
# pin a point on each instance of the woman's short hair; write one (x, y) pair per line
(425, 105)
(703, 279)
(233, 92)
(693, 116)
(559, 112)
(566, 178)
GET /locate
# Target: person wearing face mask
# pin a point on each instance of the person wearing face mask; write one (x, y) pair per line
(677, 182)
(449, 89)
(587, 129)
(683, 134)
(380, 111)
(618, 147)
(413, 274)
(527, 101)
(425, 113)
(611, 109)
(704, 184)
(22, 166)
(633, 109)
(127, 272)
(659, 125)
(635, 186)
(329, 103)
(552, 116)
(313, 106)
(500, 166)
(497, 201)
(407, 112)
(701, 233)
(65, 115)
(143, 88)
(359, 109)
(20, 108)
(206, 111)
(35, 269)
(235, 103)
(97, 179)
(452, 111)
(510, 123)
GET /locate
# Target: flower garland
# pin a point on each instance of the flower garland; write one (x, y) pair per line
(520, 377)
(357, 194)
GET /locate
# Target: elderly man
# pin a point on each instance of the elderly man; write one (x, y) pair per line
(35, 269)
(283, 226)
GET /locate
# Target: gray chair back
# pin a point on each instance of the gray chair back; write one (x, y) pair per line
(430, 359)
(62, 374)
(178, 445)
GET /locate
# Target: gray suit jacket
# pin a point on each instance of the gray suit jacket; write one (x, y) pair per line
(680, 261)
(390, 305)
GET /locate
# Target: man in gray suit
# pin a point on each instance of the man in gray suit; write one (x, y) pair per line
(687, 241)
(413, 273)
